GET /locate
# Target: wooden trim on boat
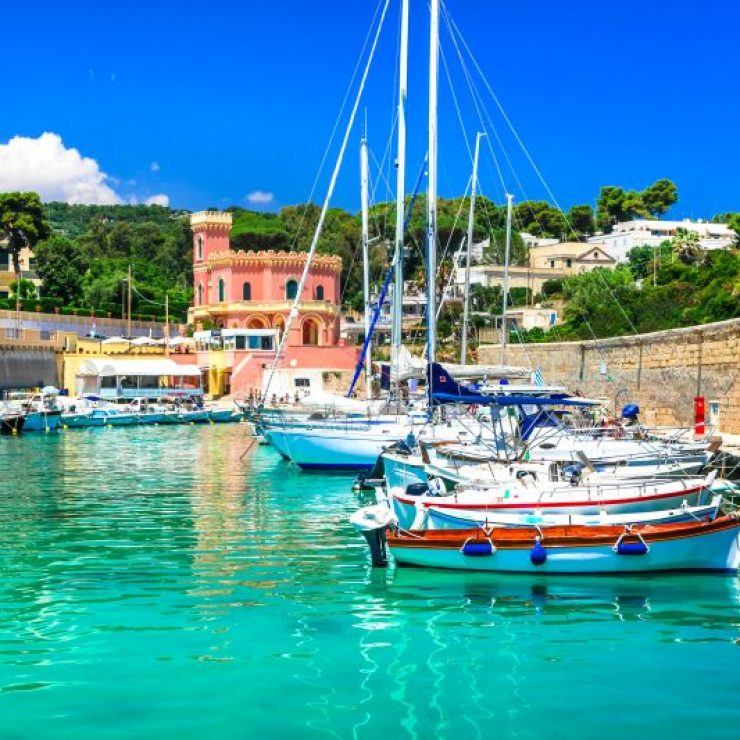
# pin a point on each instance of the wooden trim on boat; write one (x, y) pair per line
(573, 535)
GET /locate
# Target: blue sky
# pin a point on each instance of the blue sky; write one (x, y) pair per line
(205, 103)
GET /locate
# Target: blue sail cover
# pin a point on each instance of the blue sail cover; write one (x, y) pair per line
(443, 388)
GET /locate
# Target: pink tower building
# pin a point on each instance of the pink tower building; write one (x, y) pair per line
(240, 297)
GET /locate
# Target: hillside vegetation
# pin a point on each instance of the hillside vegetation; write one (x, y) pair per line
(83, 254)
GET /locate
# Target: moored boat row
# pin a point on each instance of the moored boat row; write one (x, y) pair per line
(48, 412)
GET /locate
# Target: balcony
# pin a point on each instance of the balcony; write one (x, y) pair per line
(254, 307)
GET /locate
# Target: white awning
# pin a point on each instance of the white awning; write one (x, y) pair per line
(115, 340)
(144, 342)
(134, 368)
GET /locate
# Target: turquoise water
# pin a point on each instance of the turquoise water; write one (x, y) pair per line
(155, 585)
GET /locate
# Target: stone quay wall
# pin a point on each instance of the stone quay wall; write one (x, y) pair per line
(662, 371)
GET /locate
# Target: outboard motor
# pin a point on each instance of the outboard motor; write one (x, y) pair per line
(372, 522)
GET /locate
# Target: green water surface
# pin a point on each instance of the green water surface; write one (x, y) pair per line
(156, 585)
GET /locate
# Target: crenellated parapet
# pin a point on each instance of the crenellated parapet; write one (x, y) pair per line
(281, 259)
(210, 220)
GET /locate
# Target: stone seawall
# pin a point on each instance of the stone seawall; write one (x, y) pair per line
(662, 371)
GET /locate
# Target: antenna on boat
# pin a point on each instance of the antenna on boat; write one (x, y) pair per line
(397, 315)
(466, 290)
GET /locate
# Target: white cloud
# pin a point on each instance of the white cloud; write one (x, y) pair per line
(54, 171)
(260, 197)
(160, 199)
(154, 166)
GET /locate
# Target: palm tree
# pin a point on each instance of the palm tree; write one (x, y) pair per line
(686, 246)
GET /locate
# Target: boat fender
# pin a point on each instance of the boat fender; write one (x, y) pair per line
(632, 548)
(538, 554)
(477, 549)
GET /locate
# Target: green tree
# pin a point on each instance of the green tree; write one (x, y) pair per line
(616, 205)
(22, 223)
(581, 219)
(61, 265)
(495, 253)
(597, 302)
(686, 246)
(640, 260)
(541, 219)
(23, 289)
(659, 197)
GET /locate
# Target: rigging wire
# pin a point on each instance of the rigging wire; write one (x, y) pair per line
(335, 126)
(319, 226)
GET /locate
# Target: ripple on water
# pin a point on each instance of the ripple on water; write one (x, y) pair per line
(154, 583)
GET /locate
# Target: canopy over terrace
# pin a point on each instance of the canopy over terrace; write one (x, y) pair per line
(152, 378)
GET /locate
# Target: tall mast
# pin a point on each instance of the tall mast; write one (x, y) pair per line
(432, 186)
(507, 255)
(466, 290)
(397, 314)
(366, 262)
(293, 315)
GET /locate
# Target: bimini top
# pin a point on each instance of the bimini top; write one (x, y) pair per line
(135, 368)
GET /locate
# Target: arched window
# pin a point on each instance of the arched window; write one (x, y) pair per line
(247, 292)
(310, 332)
(199, 245)
(291, 290)
(200, 294)
(221, 290)
(319, 292)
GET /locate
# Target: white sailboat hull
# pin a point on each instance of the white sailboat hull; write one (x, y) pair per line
(561, 500)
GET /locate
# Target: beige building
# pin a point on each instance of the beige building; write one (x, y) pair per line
(570, 257)
(546, 262)
(7, 276)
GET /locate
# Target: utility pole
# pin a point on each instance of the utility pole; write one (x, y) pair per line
(17, 300)
(655, 265)
(166, 322)
(128, 329)
(507, 255)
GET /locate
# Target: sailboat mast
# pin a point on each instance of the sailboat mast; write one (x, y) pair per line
(432, 185)
(507, 256)
(366, 261)
(466, 290)
(397, 315)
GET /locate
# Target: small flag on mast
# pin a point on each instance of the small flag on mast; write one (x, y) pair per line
(537, 378)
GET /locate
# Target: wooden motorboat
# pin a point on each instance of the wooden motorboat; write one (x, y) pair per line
(690, 546)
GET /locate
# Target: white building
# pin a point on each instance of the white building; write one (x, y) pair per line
(630, 234)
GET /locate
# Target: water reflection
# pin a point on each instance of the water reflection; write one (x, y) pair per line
(159, 563)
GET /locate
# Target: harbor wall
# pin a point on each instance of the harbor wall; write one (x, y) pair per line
(49, 323)
(662, 371)
(28, 367)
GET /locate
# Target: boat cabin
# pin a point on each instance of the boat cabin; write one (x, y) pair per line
(115, 380)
